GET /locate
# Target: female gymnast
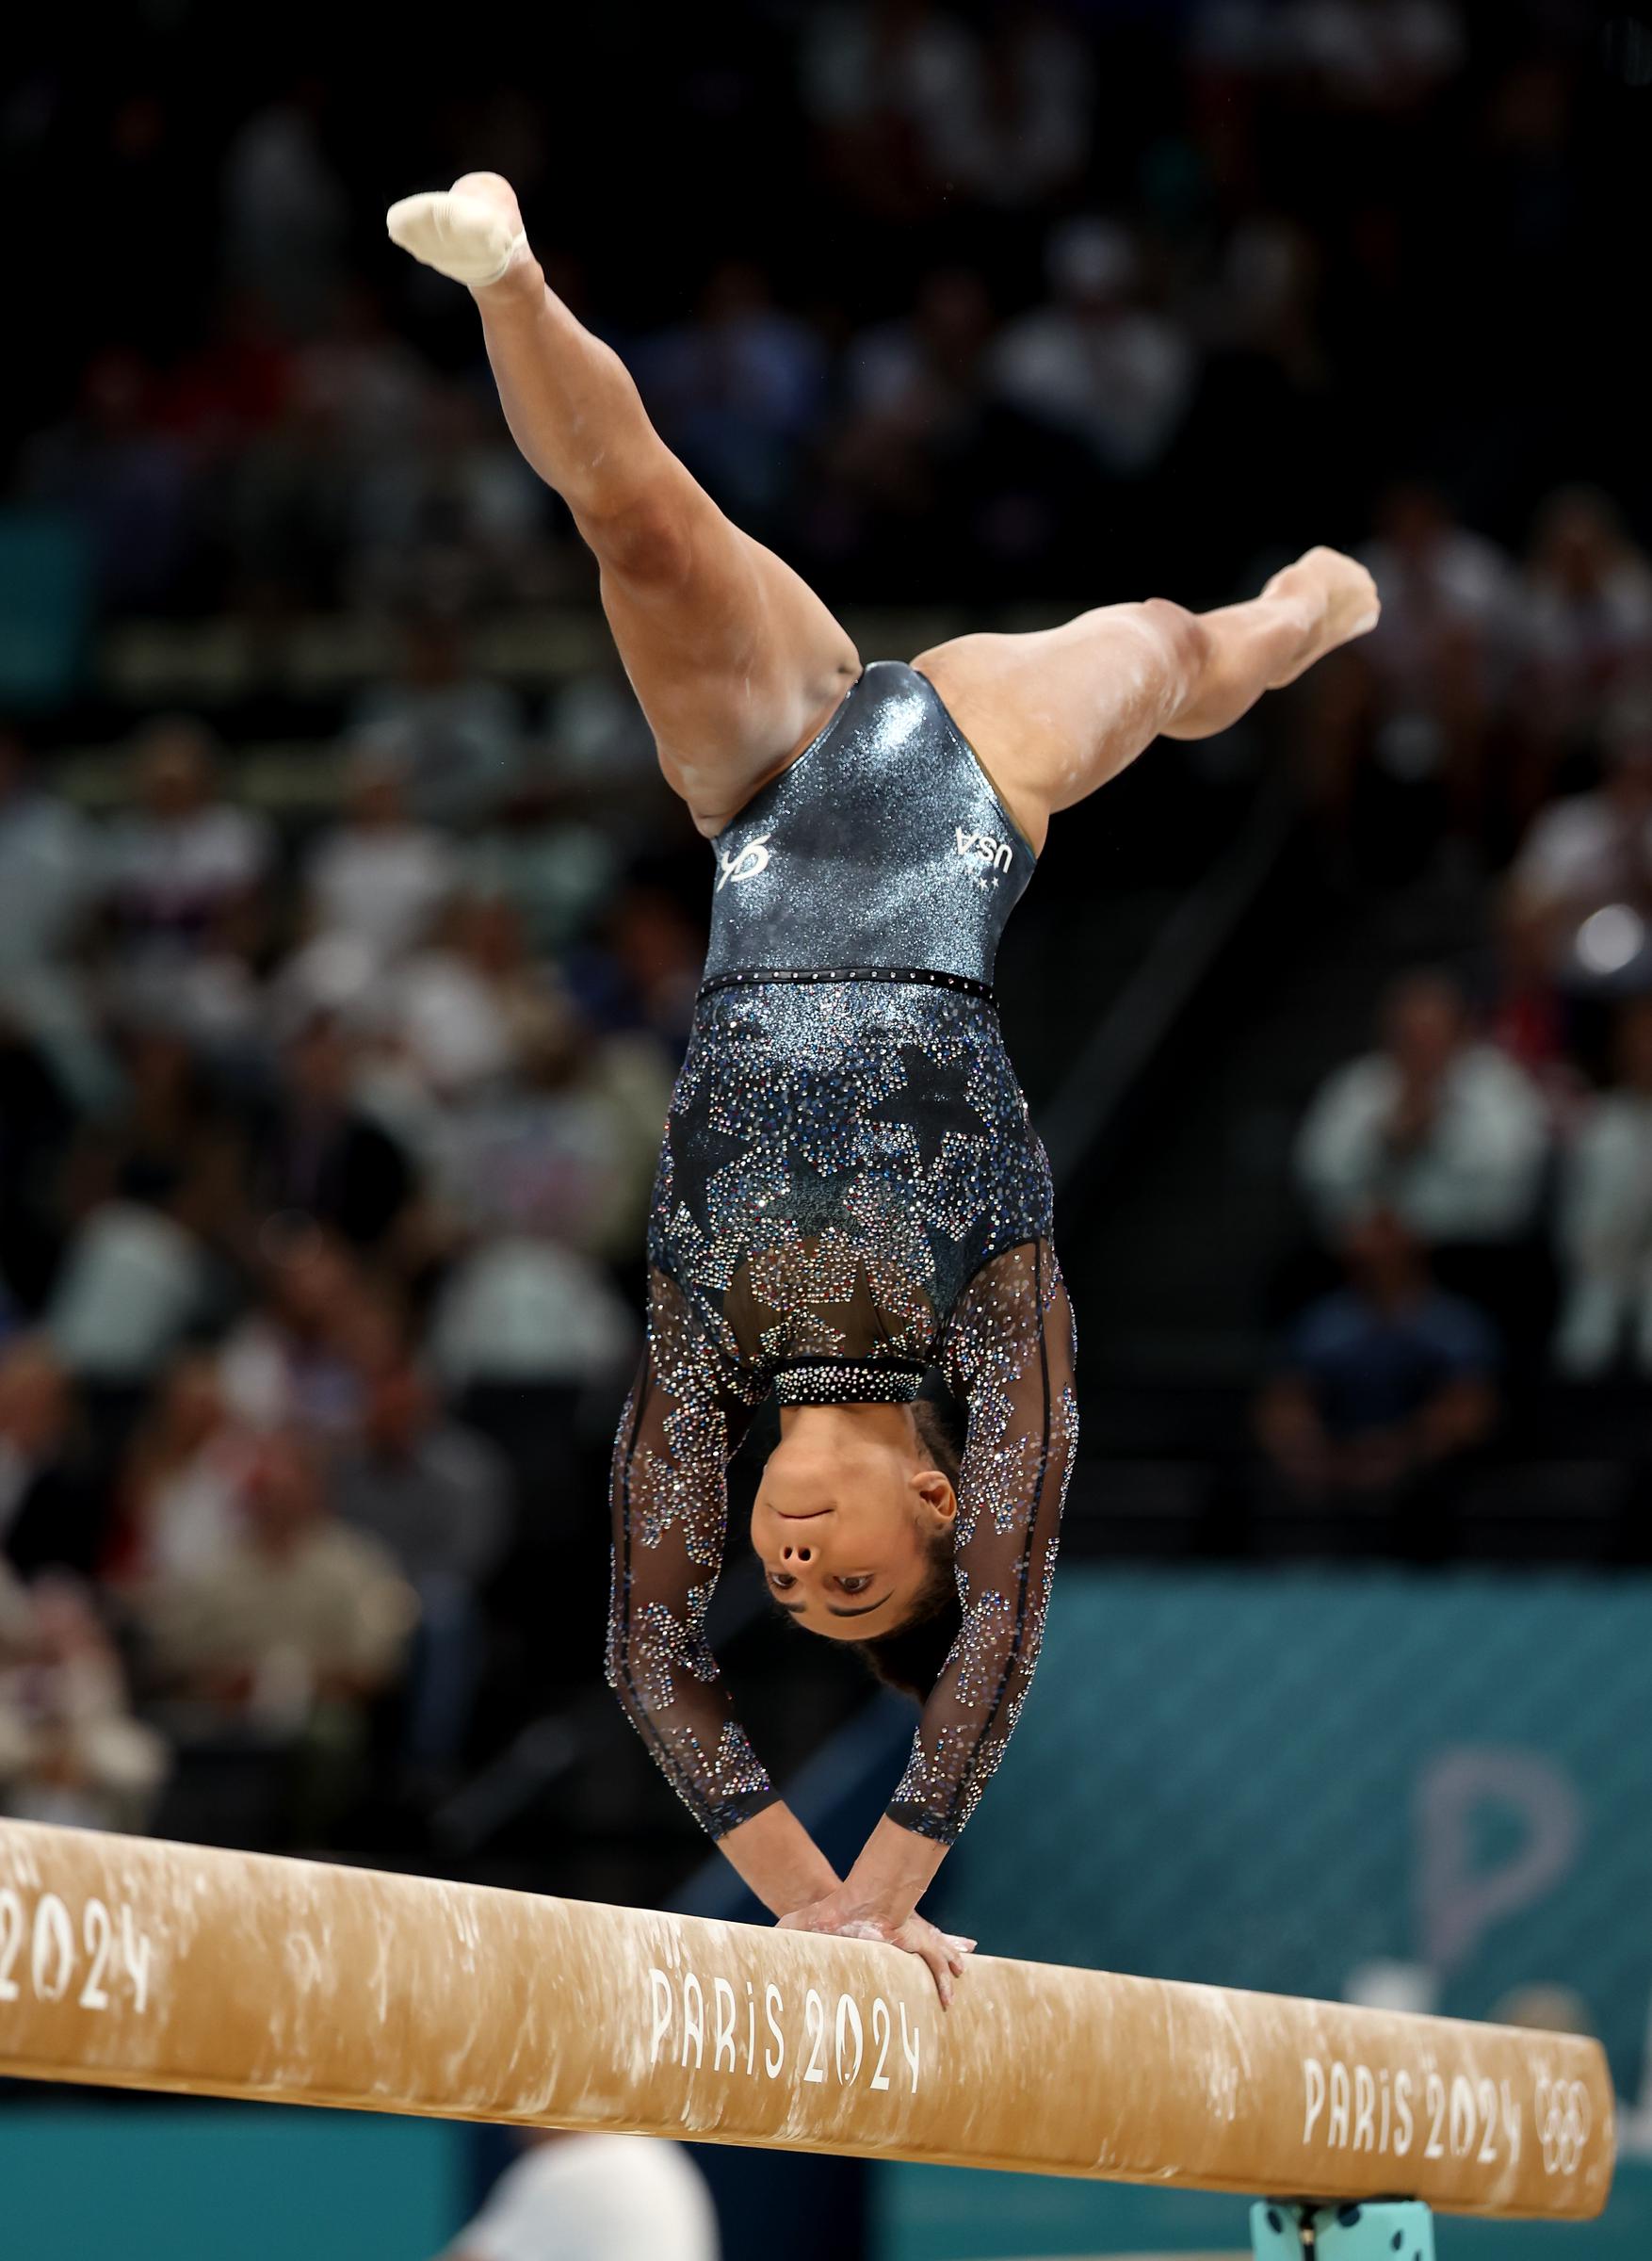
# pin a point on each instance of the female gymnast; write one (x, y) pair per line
(850, 1192)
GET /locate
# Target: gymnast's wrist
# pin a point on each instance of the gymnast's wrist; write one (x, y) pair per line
(893, 1873)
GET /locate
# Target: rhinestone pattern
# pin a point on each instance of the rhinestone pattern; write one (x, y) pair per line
(849, 1193)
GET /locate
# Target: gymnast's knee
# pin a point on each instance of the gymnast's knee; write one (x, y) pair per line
(642, 541)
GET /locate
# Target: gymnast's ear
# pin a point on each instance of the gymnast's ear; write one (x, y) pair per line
(934, 1489)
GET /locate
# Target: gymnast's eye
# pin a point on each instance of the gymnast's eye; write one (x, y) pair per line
(857, 1583)
(782, 1581)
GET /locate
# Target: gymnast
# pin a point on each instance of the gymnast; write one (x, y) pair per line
(850, 1192)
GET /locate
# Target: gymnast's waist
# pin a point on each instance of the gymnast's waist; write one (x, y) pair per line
(901, 977)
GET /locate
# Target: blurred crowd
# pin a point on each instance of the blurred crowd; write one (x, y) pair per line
(945, 298)
(1483, 1175)
(324, 1167)
(326, 1134)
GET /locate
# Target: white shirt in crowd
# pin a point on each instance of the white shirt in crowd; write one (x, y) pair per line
(47, 869)
(1606, 1237)
(1474, 1177)
(384, 887)
(595, 2198)
(174, 870)
(127, 1290)
(1120, 383)
(1581, 852)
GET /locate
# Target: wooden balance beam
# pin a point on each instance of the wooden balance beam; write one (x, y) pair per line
(126, 1963)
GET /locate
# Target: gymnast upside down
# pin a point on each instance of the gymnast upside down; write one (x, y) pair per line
(850, 1192)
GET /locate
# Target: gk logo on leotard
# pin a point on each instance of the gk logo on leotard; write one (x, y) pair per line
(753, 858)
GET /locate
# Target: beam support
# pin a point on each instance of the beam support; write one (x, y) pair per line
(127, 1963)
(1394, 2230)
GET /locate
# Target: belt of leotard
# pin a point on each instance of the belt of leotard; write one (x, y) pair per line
(920, 976)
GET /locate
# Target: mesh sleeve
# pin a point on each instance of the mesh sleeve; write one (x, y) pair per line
(1009, 1355)
(682, 1424)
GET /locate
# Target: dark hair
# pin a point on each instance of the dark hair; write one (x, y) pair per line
(910, 1659)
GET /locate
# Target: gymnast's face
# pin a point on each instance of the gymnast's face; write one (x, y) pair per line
(843, 1525)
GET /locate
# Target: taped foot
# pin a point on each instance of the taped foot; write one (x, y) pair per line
(463, 238)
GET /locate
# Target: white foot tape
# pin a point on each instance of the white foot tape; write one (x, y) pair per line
(459, 235)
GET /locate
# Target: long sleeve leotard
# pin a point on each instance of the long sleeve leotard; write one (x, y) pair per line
(850, 1194)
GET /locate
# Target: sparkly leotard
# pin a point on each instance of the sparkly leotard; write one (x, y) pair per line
(849, 1193)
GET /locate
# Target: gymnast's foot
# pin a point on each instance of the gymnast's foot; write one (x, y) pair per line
(1339, 598)
(472, 232)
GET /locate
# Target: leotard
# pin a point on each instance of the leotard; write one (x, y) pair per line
(849, 1193)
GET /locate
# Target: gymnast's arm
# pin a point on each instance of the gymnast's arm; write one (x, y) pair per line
(736, 660)
(683, 1423)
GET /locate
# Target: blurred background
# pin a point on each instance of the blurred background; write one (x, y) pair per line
(349, 940)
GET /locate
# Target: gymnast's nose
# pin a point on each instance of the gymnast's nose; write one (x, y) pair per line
(797, 1554)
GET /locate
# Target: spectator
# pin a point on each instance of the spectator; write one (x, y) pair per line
(47, 868)
(297, 1360)
(319, 1155)
(362, 380)
(566, 1150)
(882, 79)
(1588, 618)
(737, 388)
(286, 212)
(920, 375)
(555, 869)
(597, 736)
(1385, 56)
(126, 483)
(1383, 1381)
(1523, 1009)
(1606, 1216)
(137, 1279)
(1019, 135)
(1589, 855)
(646, 972)
(435, 1496)
(181, 1481)
(922, 458)
(1436, 669)
(49, 1518)
(158, 1197)
(1096, 362)
(595, 2197)
(189, 857)
(48, 881)
(290, 1634)
(69, 1750)
(522, 1310)
(453, 516)
(165, 1127)
(377, 877)
(468, 1012)
(1445, 1129)
(456, 733)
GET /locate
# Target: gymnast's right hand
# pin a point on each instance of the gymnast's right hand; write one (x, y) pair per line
(942, 1952)
(471, 232)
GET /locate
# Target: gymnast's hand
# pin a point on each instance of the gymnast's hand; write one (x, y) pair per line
(844, 1915)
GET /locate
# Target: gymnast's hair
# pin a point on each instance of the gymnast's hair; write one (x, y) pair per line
(910, 1659)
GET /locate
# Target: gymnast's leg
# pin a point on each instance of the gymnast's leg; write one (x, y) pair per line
(1056, 714)
(736, 660)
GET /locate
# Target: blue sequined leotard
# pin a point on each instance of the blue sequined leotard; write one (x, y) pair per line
(849, 1193)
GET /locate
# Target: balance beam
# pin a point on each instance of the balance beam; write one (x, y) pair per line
(126, 1963)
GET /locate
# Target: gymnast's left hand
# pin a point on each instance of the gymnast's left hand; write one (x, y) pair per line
(843, 1915)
